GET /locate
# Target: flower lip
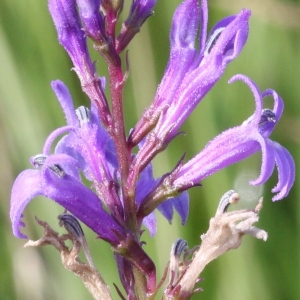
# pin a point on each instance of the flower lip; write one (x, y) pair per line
(69, 193)
(238, 143)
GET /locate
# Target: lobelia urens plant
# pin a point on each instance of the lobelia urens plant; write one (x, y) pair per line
(123, 193)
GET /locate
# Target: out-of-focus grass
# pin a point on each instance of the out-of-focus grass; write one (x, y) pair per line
(31, 58)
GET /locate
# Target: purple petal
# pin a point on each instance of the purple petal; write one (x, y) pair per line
(69, 193)
(64, 97)
(240, 142)
(255, 118)
(181, 204)
(24, 189)
(140, 10)
(197, 83)
(278, 102)
(185, 29)
(215, 34)
(227, 148)
(286, 172)
(268, 161)
(92, 19)
(53, 136)
(63, 148)
(166, 209)
(190, 73)
(145, 183)
(151, 223)
(86, 143)
(203, 28)
(233, 38)
(67, 23)
(183, 38)
(71, 35)
(277, 110)
(66, 163)
(88, 7)
(63, 160)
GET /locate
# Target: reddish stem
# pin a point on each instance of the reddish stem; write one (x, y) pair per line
(123, 153)
(111, 21)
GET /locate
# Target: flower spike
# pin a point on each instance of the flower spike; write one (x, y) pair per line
(103, 177)
(71, 36)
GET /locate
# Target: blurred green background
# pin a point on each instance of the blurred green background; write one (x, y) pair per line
(31, 57)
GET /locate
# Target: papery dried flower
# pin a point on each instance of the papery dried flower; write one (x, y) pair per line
(89, 149)
(225, 233)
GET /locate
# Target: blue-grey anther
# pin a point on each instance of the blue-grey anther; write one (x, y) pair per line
(83, 114)
(57, 169)
(39, 160)
(71, 224)
(74, 228)
(212, 40)
(230, 197)
(179, 247)
(267, 116)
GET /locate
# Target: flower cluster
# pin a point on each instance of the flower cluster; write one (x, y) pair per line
(94, 147)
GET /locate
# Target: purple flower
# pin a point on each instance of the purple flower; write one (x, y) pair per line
(242, 141)
(191, 72)
(92, 19)
(232, 146)
(70, 35)
(140, 11)
(67, 191)
(73, 38)
(85, 148)
(180, 203)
